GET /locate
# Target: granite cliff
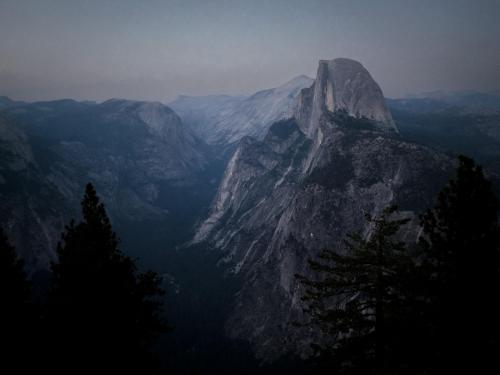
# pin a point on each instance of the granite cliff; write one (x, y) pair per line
(307, 184)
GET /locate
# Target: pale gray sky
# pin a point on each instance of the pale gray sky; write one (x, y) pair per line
(155, 50)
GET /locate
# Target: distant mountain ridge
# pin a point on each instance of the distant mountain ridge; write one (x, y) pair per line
(224, 120)
(466, 98)
(6, 102)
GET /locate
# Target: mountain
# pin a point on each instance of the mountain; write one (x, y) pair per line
(32, 210)
(303, 187)
(470, 100)
(6, 102)
(153, 174)
(343, 85)
(309, 158)
(224, 120)
(451, 128)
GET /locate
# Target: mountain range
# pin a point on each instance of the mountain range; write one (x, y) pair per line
(243, 189)
(224, 120)
(138, 154)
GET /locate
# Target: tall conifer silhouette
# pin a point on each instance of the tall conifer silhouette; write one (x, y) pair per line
(358, 300)
(103, 312)
(461, 246)
(15, 317)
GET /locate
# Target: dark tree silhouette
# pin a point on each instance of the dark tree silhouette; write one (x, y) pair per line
(460, 241)
(359, 300)
(102, 313)
(15, 288)
(15, 299)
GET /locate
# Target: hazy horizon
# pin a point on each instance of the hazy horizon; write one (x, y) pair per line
(157, 50)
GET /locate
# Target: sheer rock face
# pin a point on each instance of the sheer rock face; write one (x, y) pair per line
(343, 85)
(306, 185)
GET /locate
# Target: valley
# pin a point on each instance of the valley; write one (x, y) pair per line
(228, 197)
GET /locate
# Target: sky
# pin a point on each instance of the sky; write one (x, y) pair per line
(158, 49)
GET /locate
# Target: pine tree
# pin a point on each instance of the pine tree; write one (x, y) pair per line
(15, 300)
(359, 300)
(15, 288)
(461, 243)
(102, 313)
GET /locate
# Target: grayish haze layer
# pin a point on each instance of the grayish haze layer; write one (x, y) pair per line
(155, 50)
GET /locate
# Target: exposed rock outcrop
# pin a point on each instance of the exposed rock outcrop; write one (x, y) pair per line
(342, 85)
(306, 185)
(224, 120)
